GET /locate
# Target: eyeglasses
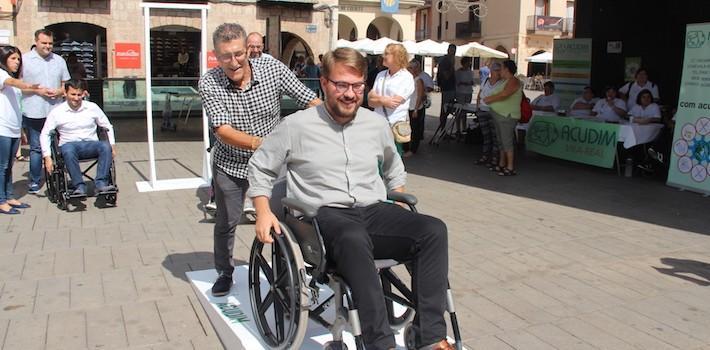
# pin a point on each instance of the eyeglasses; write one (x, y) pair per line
(254, 47)
(229, 56)
(341, 86)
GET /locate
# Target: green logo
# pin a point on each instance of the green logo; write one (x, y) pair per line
(696, 39)
(233, 313)
(542, 133)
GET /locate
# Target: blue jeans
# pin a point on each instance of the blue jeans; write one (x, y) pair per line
(34, 128)
(72, 152)
(8, 148)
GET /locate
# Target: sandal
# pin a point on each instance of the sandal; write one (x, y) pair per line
(507, 172)
(21, 158)
(482, 161)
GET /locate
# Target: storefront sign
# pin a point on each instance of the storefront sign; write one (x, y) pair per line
(571, 68)
(572, 139)
(389, 6)
(690, 152)
(127, 55)
(211, 60)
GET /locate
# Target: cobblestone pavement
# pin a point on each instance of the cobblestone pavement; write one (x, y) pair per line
(562, 256)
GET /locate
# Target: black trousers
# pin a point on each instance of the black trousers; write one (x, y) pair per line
(355, 237)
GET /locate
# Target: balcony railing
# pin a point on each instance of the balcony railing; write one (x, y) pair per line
(469, 29)
(545, 24)
(421, 34)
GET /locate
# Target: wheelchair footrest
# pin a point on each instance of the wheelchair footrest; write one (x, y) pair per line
(106, 192)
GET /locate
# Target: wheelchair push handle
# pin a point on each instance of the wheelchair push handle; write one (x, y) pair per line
(402, 197)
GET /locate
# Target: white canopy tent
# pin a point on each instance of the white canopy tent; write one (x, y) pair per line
(153, 184)
(378, 46)
(545, 57)
(474, 49)
(344, 43)
(432, 48)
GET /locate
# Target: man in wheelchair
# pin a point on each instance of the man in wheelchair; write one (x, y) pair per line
(332, 154)
(76, 121)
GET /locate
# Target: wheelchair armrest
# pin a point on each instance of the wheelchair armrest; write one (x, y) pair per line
(406, 198)
(294, 204)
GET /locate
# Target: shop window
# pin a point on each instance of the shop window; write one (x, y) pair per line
(83, 46)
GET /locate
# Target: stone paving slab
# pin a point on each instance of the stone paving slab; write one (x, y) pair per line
(562, 256)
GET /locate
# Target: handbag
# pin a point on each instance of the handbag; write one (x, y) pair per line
(401, 130)
(525, 109)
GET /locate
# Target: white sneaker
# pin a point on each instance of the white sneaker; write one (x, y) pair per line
(211, 206)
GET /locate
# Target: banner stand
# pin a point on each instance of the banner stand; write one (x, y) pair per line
(690, 150)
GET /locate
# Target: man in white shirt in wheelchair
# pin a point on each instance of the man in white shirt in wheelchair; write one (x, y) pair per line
(331, 153)
(76, 121)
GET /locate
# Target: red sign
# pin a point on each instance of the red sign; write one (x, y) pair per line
(127, 55)
(211, 60)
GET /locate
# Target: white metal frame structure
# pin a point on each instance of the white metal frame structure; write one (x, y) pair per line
(184, 183)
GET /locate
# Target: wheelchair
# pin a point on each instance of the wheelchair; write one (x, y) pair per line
(285, 279)
(59, 189)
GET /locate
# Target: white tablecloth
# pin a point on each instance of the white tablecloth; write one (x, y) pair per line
(629, 134)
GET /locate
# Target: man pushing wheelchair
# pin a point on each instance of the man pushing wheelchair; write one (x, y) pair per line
(333, 153)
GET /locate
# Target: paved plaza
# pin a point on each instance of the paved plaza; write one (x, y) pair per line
(562, 256)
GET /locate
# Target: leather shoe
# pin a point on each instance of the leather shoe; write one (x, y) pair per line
(222, 285)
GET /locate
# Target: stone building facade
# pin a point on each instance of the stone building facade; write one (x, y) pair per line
(288, 28)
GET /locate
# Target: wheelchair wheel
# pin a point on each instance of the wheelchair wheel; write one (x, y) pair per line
(52, 192)
(276, 290)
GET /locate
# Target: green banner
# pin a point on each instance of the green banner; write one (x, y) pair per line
(582, 141)
(690, 155)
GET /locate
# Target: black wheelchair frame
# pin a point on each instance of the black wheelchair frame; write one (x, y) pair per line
(299, 264)
(58, 185)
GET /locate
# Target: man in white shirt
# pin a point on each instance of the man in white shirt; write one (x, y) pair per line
(630, 90)
(76, 121)
(255, 45)
(547, 104)
(611, 108)
(582, 106)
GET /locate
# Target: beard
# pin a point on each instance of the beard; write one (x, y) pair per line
(343, 108)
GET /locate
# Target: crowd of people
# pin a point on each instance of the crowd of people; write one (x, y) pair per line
(334, 155)
(40, 97)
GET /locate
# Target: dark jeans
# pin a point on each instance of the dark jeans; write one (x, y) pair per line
(354, 237)
(8, 149)
(417, 125)
(34, 128)
(72, 152)
(229, 194)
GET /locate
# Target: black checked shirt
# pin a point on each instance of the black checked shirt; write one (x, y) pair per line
(254, 110)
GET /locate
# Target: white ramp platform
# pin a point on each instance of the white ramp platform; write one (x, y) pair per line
(233, 320)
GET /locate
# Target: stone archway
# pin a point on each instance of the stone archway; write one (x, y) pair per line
(384, 27)
(293, 46)
(346, 28)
